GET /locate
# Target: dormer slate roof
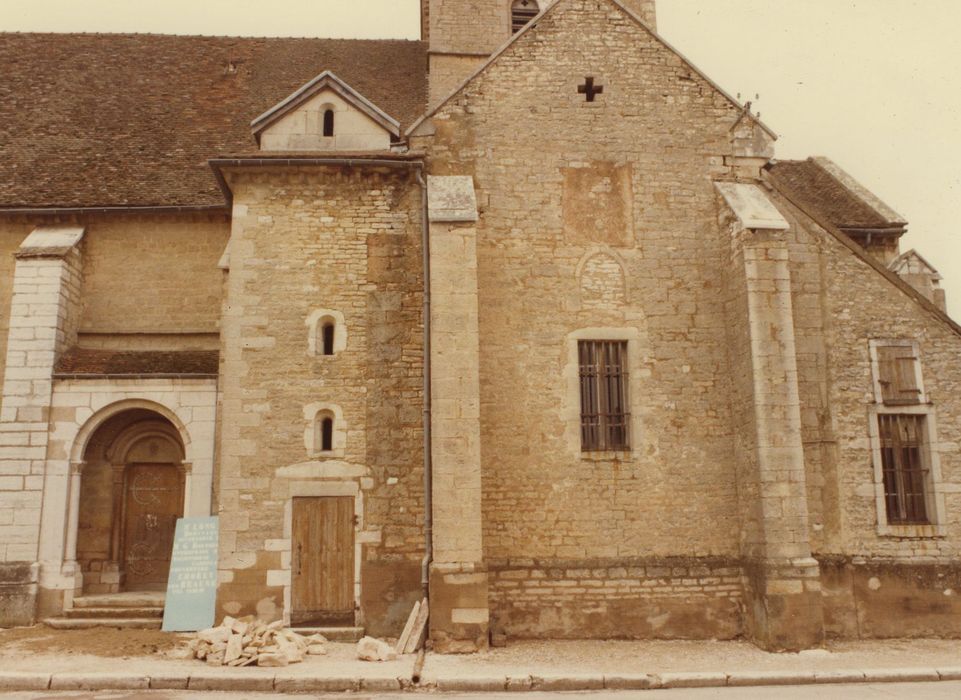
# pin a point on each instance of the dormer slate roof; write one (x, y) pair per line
(130, 120)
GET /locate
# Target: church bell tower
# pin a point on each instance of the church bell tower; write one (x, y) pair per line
(463, 33)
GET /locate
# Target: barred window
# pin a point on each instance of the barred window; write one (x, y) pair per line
(522, 12)
(897, 374)
(605, 411)
(904, 468)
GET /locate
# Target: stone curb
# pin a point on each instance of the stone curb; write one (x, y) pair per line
(300, 684)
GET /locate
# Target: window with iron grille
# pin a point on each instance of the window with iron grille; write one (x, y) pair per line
(522, 12)
(904, 468)
(898, 374)
(605, 411)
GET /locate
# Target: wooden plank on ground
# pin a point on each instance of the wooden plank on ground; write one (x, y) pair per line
(408, 628)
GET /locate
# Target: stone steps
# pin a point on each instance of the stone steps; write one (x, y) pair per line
(132, 610)
(333, 634)
(121, 600)
(113, 612)
(67, 623)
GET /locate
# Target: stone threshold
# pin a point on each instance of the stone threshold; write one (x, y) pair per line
(279, 682)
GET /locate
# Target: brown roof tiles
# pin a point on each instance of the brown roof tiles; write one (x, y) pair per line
(819, 188)
(98, 363)
(101, 120)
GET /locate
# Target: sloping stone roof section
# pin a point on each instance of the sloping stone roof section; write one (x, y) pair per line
(751, 206)
(322, 82)
(129, 121)
(846, 203)
(821, 220)
(553, 8)
(87, 362)
(50, 242)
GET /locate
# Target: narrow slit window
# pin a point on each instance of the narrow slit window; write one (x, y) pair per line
(326, 434)
(522, 12)
(605, 412)
(327, 338)
(904, 468)
(328, 122)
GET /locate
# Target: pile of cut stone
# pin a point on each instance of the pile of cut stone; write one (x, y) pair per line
(248, 641)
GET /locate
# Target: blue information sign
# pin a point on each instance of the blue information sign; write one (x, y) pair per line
(192, 586)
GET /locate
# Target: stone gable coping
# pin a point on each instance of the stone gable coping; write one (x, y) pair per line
(50, 242)
(751, 206)
(451, 198)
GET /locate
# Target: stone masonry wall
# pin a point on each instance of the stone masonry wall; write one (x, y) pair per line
(347, 241)
(669, 598)
(152, 275)
(625, 178)
(874, 584)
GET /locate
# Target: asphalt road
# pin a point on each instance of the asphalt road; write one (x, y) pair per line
(862, 691)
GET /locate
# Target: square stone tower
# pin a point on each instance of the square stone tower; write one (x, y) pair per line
(463, 33)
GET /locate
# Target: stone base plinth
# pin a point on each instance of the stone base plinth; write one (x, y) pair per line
(459, 612)
(18, 594)
(784, 604)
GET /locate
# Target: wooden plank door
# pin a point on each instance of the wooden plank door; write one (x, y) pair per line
(322, 580)
(153, 496)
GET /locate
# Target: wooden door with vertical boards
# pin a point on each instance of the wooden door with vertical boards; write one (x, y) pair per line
(153, 500)
(322, 580)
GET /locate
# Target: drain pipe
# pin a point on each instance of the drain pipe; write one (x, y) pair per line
(428, 464)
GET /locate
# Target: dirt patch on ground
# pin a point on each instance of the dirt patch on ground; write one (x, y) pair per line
(103, 641)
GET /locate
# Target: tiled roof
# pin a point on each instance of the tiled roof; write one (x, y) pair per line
(100, 120)
(98, 363)
(844, 208)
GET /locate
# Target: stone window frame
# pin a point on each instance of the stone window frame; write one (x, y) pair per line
(572, 399)
(315, 323)
(934, 491)
(314, 413)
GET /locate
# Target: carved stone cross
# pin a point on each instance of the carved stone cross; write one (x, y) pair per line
(590, 89)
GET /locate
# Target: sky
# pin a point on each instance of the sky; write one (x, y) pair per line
(872, 84)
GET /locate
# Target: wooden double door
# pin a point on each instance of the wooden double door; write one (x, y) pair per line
(153, 500)
(322, 561)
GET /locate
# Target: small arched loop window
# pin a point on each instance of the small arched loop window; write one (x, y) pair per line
(324, 431)
(326, 434)
(522, 12)
(328, 122)
(326, 343)
(326, 333)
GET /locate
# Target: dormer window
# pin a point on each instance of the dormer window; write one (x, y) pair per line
(328, 122)
(325, 114)
(522, 12)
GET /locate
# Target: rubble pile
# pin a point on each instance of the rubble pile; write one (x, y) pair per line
(248, 642)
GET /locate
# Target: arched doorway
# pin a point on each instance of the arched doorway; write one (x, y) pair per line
(131, 494)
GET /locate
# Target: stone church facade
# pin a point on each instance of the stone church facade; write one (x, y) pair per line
(525, 315)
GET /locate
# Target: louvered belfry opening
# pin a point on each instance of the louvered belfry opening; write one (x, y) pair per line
(903, 466)
(605, 412)
(522, 12)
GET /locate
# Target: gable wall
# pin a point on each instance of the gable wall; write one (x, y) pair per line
(597, 215)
